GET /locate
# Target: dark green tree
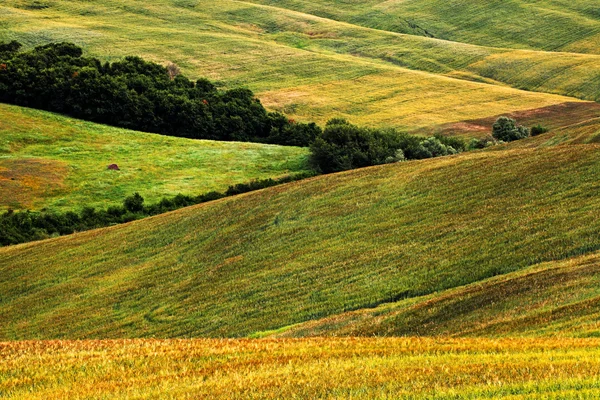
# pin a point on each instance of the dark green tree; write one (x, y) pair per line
(507, 130)
(344, 146)
(134, 203)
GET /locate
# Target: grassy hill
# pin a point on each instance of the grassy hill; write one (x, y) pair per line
(306, 65)
(552, 299)
(491, 245)
(552, 25)
(59, 163)
(398, 368)
(308, 250)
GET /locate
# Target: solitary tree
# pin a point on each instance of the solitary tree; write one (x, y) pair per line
(507, 130)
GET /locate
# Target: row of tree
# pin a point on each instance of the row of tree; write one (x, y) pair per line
(141, 95)
(344, 146)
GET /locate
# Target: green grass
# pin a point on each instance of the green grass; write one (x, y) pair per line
(49, 161)
(551, 25)
(559, 298)
(400, 368)
(313, 68)
(307, 250)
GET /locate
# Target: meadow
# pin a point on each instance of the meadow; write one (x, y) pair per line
(52, 162)
(400, 368)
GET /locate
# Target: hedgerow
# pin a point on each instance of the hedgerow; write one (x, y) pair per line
(26, 226)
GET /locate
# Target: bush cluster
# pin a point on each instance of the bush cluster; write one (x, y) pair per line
(137, 94)
(26, 226)
(343, 146)
(507, 130)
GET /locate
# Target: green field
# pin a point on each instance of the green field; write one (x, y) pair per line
(402, 368)
(308, 250)
(49, 161)
(551, 25)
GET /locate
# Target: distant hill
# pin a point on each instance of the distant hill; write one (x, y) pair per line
(58, 163)
(550, 25)
(330, 64)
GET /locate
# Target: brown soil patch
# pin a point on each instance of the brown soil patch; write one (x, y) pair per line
(553, 117)
(23, 182)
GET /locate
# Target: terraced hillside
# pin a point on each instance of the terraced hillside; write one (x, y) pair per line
(306, 65)
(49, 161)
(308, 250)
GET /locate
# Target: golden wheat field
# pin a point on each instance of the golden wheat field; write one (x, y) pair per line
(400, 368)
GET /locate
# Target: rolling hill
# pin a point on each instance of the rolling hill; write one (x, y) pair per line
(58, 163)
(308, 250)
(552, 25)
(488, 260)
(307, 65)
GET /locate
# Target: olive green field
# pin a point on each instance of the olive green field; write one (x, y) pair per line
(312, 249)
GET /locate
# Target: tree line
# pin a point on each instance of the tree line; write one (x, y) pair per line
(136, 94)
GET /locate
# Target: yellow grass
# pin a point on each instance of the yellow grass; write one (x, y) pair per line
(403, 368)
(310, 67)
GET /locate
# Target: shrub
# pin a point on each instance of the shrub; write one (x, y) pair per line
(538, 130)
(507, 130)
(288, 132)
(481, 143)
(134, 203)
(456, 143)
(344, 146)
(397, 157)
(433, 147)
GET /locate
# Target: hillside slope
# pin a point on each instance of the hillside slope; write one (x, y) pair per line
(306, 65)
(59, 163)
(552, 25)
(308, 250)
(560, 298)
